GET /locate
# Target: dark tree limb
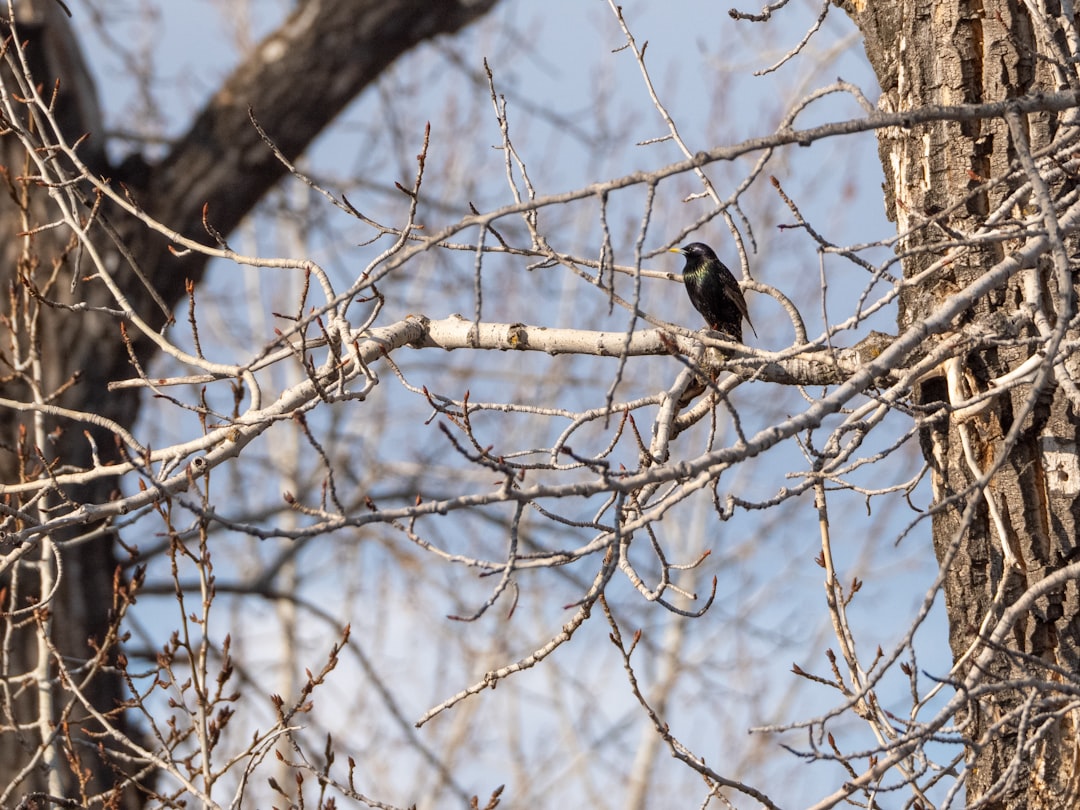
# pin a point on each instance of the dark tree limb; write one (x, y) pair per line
(297, 81)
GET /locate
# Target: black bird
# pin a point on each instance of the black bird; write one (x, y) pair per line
(713, 291)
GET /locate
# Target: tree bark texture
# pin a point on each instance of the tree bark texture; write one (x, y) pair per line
(295, 82)
(937, 191)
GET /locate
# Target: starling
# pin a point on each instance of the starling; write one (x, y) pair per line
(713, 291)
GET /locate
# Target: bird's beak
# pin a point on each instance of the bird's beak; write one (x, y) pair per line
(675, 250)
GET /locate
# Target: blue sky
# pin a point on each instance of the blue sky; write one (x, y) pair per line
(578, 111)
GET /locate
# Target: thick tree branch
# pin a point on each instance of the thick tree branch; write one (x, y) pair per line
(296, 81)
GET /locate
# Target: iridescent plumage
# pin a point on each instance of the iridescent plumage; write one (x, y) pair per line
(713, 291)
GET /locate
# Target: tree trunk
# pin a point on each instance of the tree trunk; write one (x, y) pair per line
(296, 83)
(937, 191)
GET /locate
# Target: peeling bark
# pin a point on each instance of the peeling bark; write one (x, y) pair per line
(936, 190)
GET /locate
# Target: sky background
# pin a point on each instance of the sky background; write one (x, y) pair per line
(579, 113)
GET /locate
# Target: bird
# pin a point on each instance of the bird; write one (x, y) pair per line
(713, 291)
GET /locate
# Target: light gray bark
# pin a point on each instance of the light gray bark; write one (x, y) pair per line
(936, 190)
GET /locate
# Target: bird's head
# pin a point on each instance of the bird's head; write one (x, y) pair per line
(696, 253)
(695, 250)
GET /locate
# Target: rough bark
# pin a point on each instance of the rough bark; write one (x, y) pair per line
(936, 189)
(296, 82)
